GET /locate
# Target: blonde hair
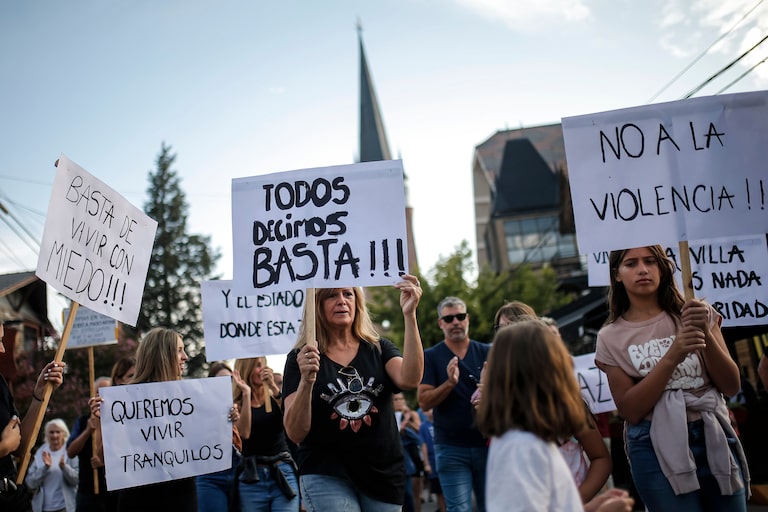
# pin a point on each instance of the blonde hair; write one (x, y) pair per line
(515, 396)
(157, 357)
(245, 367)
(362, 326)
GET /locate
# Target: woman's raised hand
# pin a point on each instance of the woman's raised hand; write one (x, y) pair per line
(410, 293)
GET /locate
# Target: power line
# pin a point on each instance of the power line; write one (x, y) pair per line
(741, 76)
(724, 69)
(697, 59)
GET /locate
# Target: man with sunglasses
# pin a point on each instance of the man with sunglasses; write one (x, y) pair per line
(451, 374)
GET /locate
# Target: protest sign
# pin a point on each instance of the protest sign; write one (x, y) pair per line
(91, 329)
(164, 431)
(669, 172)
(237, 326)
(96, 245)
(593, 383)
(319, 228)
(730, 274)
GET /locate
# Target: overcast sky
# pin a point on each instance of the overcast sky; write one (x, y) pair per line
(240, 88)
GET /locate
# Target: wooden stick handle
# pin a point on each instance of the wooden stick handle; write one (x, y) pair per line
(685, 265)
(94, 441)
(47, 394)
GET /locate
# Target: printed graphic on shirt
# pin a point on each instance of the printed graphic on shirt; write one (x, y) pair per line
(352, 400)
(645, 357)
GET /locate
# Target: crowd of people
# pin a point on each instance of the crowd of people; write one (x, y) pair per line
(498, 426)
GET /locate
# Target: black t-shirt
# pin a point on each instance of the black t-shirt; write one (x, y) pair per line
(353, 434)
(7, 411)
(267, 436)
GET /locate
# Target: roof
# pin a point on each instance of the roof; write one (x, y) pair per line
(24, 297)
(9, 283)
(547, 139)
(526, 183)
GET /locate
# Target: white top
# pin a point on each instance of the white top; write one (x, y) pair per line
(525, 473)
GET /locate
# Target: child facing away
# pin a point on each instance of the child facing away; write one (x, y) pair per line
(668, 367)
(525, 415)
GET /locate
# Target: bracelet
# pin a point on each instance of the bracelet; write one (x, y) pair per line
(36, 397)
(277, 396)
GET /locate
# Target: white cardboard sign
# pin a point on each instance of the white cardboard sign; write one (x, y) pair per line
(96, 245)
(320, 228)
(238, 326)
(730, 274)
(663, 173)
(163, 431)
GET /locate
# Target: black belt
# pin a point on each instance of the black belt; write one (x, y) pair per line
(248, 472)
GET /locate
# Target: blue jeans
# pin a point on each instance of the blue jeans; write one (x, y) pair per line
(265, 495)
(322, 493)
(461, 470)
(654, 488)
(214, 489)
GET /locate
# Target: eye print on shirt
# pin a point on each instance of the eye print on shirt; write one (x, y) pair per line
(352, 400)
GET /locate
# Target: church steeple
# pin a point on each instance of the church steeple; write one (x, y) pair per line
(373, 141)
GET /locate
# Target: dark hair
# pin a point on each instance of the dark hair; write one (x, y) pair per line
(121, 367)
(669, 297)
(216, 367)
(515, 396)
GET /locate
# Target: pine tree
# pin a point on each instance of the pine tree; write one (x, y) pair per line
(180, 261)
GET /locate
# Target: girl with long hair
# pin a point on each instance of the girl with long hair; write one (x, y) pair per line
(525, 415)
(668, 367)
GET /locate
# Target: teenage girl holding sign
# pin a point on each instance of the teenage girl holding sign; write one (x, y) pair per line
(668, 368)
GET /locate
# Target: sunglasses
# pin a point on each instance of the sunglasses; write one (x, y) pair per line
(354, 381)
(449, 318)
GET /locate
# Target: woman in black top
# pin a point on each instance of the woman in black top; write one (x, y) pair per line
(338, 385)
(266, 475)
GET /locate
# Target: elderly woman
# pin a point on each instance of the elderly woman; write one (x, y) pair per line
(338, 386)
(53, 473)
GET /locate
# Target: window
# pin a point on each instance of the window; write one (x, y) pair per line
(537, 240)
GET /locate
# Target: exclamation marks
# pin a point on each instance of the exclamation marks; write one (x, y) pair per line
(112, 289)
(122, 296)
(385, 251)
(762, 195)
(399, 256)
(109, 287)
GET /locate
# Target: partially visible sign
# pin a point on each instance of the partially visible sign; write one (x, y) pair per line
(593, 383)
(730, 274)
(91, 328)
(238, 326)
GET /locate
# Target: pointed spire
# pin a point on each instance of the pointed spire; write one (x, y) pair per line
(373, 139)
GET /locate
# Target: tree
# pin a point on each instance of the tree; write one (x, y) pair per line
(179, 262)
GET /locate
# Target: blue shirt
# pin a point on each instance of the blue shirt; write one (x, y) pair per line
(454, 417)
